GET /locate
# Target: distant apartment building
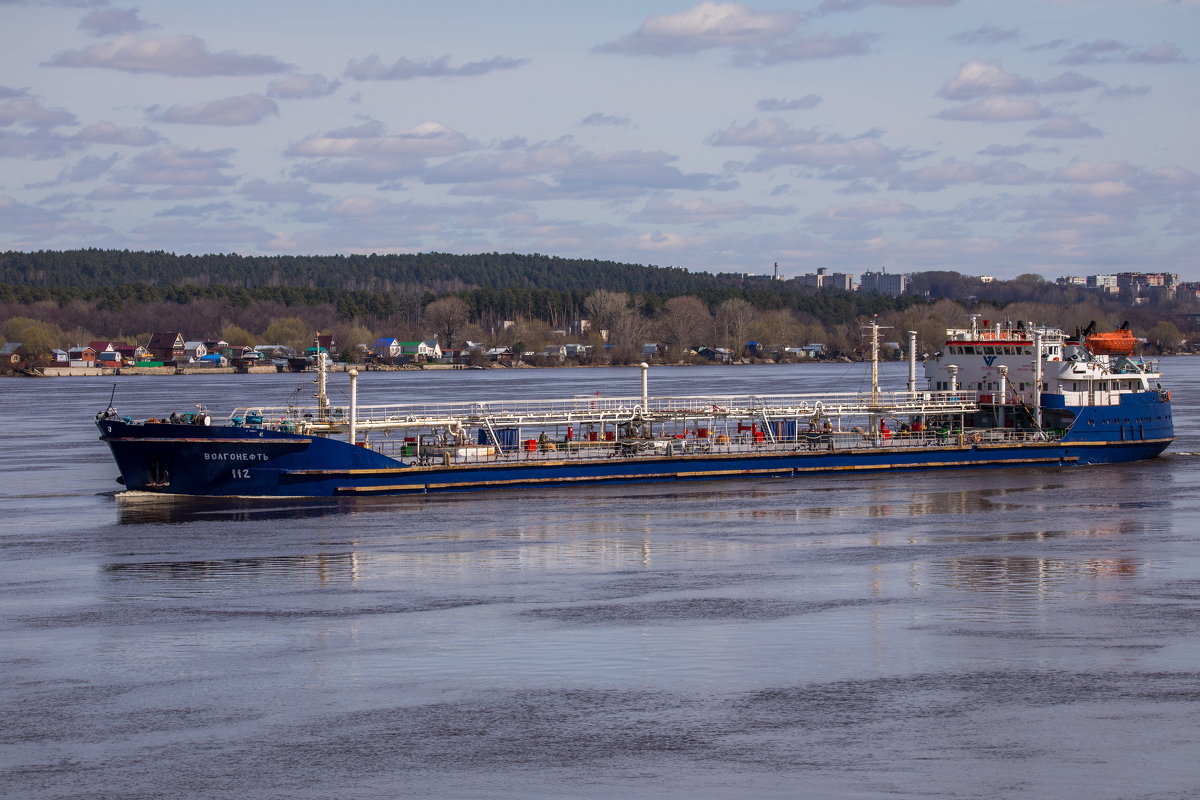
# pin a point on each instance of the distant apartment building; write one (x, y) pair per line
(883, 283)
(1107, 283)
(1071, 280)
(824, 279)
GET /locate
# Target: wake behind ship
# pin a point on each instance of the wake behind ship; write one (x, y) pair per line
(997, 395)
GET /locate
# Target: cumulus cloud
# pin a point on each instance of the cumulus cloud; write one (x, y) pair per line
(983, 79)
(28, 111)
(789, 104)
(1164, 53)
(772, 133)
(599, 119)
(561, 169)
(822, 45)
(108, 133)
(360, 170)
(179, 55)
(1093, 172)
(705, 26)
(987, 34)
(1109, 51)
(86, 169)
(996, 109)
(110, 21)
(939, 176)
(36, 144)
(371, 140)
(1068, 82)
(1065, 127)
(174, 166)
(35, 224)
(246, 109)
(372, 68)
(302, 87)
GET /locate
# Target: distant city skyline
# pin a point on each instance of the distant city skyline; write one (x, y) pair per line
(989, 138)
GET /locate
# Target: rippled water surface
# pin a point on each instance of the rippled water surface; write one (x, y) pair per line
(1022, 633)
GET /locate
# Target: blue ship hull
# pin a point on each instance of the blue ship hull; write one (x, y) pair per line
(242, 461)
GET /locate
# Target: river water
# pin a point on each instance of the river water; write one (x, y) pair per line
(1022, 633)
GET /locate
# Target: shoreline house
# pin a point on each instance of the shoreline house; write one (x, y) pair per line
(83, 355)
(387, 348)
(167, 347)
(194, 351)
(428, 350)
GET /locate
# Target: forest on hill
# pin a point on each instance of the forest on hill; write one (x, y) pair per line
(69, 297)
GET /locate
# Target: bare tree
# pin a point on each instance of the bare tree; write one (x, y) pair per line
(447, 318)
(684, 322)
(604, 308)
(734, 318)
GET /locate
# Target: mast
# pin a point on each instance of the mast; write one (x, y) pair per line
(912, 363)
(874, 362)
(322, 397)
(1037, 378)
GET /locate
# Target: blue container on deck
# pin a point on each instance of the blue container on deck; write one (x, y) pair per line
(785, 430)
(506, 438)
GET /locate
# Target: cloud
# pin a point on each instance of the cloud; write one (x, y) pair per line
(301, 87)
(939, 176)
(273, 193)
(1068, 82)
(174, 166)
(996, 109)
(772, 133)
(246, 109)
(794, 104)
(865, 210)
(180, 55)
(112, 191)
(188, 236)
(108, 133)
(822, 45)
(35, 224)
(1007, 149)
(704, 26)
(371, 140)
(670, 211)
(86, 169)
(373, 69)
(1065, 127)
(109, 21)
(360, 170)
(206, 210)
(1093, 172)
(27, 111)
(983, 79)
(598, 119)
(987, 34)
(560, 169)
(1125, 92)
(835, 6)
(38, 144)
(1165, 53)
(9, 91)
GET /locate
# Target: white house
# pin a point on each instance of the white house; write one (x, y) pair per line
(194, 351)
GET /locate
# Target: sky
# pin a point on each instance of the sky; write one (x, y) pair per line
(988, 137)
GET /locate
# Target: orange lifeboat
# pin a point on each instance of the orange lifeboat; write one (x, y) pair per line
(1114, 343)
